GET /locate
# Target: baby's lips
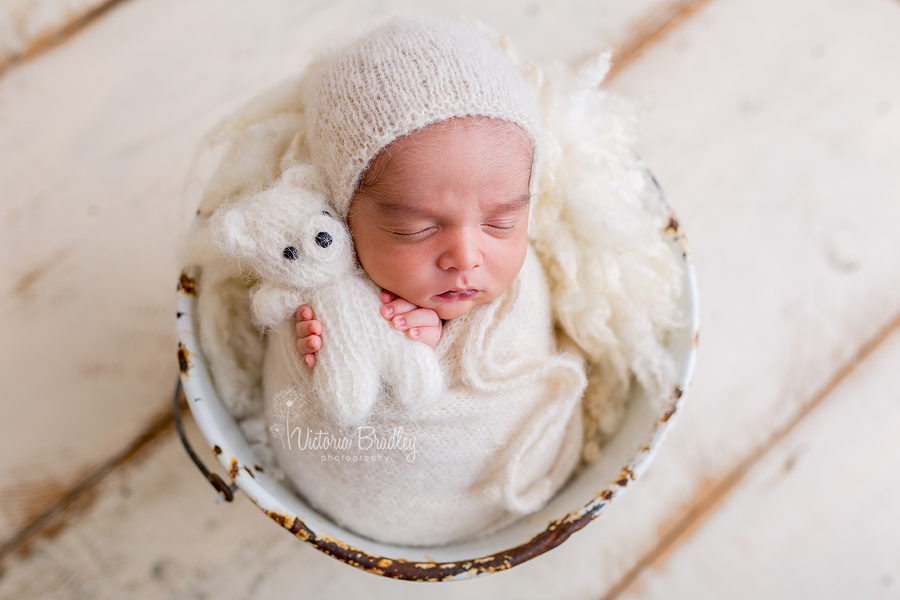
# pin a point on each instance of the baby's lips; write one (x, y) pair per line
(458, 296)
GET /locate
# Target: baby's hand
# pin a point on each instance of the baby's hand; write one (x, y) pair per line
(309, 335)
(420, 324)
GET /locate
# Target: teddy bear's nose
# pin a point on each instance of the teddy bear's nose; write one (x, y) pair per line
(323, 238)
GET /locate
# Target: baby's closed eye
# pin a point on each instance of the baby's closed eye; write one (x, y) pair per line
(501, 225)
(414, 234)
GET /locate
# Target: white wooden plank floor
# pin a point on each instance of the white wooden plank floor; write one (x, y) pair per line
(815, 518)
(28, 26)
(773, 125)
(96, 138)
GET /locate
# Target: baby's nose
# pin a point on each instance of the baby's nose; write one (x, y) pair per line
(462, 252)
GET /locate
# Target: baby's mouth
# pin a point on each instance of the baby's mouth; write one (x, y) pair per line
(458, 295)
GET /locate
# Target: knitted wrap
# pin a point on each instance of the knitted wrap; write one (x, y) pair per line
(496, 445)
(400, 78)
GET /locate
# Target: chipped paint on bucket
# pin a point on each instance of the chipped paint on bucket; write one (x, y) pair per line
(625, 458)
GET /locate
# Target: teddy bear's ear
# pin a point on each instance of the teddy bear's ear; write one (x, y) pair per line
(304, 175)
(231, 232)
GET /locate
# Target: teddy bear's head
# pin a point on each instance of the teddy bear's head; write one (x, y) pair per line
(286, 234)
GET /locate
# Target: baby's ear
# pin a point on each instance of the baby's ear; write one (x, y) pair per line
(232, 233)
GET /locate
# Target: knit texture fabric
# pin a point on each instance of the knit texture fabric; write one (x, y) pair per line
(400, 78)
(494, 447)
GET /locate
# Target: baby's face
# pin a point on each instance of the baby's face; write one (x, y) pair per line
(441, 218)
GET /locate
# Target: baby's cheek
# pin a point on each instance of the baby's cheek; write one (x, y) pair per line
(512, 258)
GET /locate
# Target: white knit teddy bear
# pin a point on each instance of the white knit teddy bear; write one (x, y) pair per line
(303, 255)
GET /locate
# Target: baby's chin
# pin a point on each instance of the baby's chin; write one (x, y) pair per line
(454, 310)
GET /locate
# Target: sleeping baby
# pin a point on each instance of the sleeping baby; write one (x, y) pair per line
(440, 222)
(425, 142)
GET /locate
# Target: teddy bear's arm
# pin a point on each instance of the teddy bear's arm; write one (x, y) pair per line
(272, 305)
(412, 370)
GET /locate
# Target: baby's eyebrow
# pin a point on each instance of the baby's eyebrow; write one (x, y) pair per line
(394, 209)
(516, 204)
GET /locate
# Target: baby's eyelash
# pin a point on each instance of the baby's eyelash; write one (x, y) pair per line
(502, 228)
(411, 236)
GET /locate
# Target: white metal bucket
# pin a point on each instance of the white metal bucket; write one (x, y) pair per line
(624, 460)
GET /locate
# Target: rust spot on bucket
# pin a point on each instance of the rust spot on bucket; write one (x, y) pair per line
(677, 393)
(187, 284)
(278, 518)
(696, 343)
(669, 412)
(249, 472)
(673, 224)
(183, 363)
(607, 495)
(258, 468)
(217, 450)
(555, 534)
(178, 315)
(626, 476)
(235, 468)
(294, 525)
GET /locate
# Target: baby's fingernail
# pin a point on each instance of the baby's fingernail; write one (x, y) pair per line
(414, 333)
(399, 322)
(307, 360)
(387, 311)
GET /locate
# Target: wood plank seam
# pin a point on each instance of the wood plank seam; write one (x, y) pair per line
(650, 30)
(59, 35)
(703, 506)
(48, 520)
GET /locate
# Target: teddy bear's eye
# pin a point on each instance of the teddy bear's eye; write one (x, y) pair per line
(323, 238)
(291, 253)
(326, 213)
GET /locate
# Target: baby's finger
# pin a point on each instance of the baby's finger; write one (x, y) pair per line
(397, 306)
(308, 328)
(427, 335)
(305, 313)
(387, 296)
(309, 344)
(420, 317)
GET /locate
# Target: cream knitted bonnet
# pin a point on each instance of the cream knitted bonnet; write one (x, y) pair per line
(408, 74)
